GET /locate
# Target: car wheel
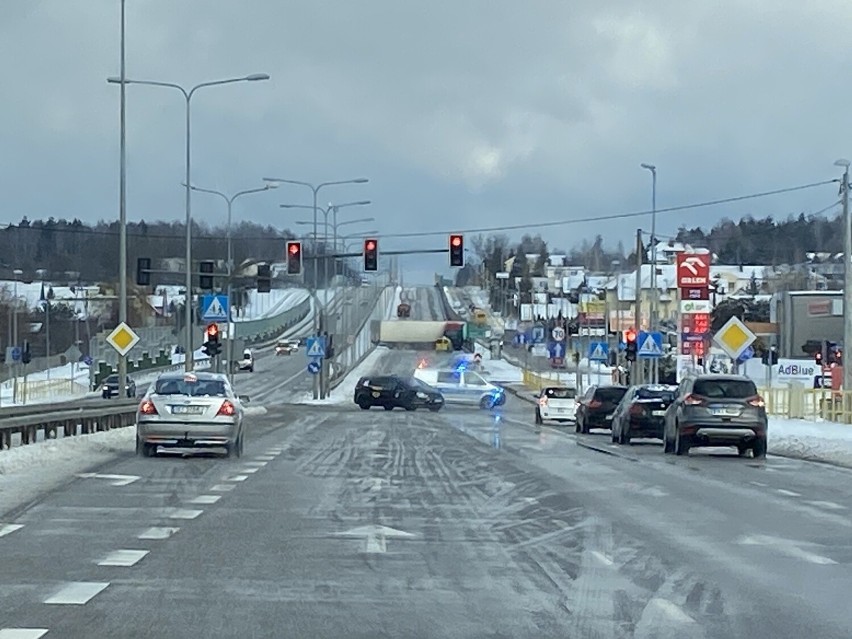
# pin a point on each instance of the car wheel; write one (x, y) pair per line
(759, 449)
(149, 450)
(613, 436)
(364, 404)
(624, 437)
(485, 403)
(681, 446)
(668, 447)
(742, 450)
(410, 407)
(538, 419)
(434, 409)
(577, 426)
(388, 407)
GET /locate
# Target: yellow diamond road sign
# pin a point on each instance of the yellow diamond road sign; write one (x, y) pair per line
(122, 339)
(734, 337)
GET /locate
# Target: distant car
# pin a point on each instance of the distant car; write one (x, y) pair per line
(556, 403)
(110, 387)
(390, 391)
(287, 347)
(716, 410)
(596, 407)
(247, 362)
(642, 412)
(190, 410)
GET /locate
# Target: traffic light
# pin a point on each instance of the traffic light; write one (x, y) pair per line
(818, 358)
(371, 254)
(26, 356)
(212, 345)
(205, 280)
(143, 276)
(294, 258)
(631, 346)
(264, 278)
(456, 250)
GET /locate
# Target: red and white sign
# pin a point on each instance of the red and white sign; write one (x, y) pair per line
(702, 293)
(693, 271)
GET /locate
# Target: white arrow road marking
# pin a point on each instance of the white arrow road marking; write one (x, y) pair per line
(8, 529)
(375, 537)
(123, 558)
(787, 547)
(22, 633)
(77, 592)
(159, 532)
(114, 480)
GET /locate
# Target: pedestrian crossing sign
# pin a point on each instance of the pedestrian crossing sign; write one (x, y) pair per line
(650, 345)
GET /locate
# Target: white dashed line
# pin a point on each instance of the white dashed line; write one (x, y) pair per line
(77, 592)
(223, 488)
(257, 464)
(183, 513)
(788, 493)
(266, 458)
(8, 529)
(158, 532)
(22, 633)
(672, 611)
(123, 558)
(602, 558)
(759, 483)
(237, 478)
(830, 505)
(205, 499)
(250, 471)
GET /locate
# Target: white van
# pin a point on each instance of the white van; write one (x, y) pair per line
(462, 387)
(247, 362)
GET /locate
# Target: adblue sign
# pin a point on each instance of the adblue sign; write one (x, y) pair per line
(801, 370)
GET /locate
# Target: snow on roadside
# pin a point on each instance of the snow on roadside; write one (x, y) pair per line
(29, 471)
(342, 393)
(821, 440)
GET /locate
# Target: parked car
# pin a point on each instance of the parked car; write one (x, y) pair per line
(596, 407)
(642, 412)
(391, 391)
(717, 410)
(558, 403)
(110, 387)
(190, 410)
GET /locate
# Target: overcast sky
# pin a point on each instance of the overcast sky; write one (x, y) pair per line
(462, 113)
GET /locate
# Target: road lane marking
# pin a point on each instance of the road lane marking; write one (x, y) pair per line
(159, 532)
(671, 610)
(114, 480)
(830, 505)
(205, 499)
(257, 464)
(759, 483)
(77, 592)
(788, 493)
(265, 458)
(237, 478)
(787, 547)
(8, 529)
(250, 471)
(223, 488)
(22, 633)
(124, 558)
(602, 558)
(182, 513)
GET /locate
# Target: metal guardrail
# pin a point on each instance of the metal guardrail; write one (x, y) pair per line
(72, 421)
(269, 328)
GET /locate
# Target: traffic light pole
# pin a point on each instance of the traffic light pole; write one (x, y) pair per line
(636, 372)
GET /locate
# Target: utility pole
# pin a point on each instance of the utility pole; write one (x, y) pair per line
(122, 210)
(847, 274)
(636, 373)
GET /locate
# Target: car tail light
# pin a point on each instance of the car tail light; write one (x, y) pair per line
(147, 408)
(227, 409)
(636, 409)
(595, 403)
(542, 401)
(693, 400)
(757, 402)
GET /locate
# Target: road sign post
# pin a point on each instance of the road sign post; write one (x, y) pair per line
(214, 308)
(649, 345)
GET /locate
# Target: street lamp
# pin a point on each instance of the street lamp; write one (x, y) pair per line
(847, 273)
(653, 314)
(187, 94)
(229, 200)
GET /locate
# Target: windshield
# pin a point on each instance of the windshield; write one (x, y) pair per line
(655, 393)
(201, 388)
(560, 393)
(724, 388)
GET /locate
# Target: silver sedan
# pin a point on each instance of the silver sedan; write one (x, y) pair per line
(190, 410)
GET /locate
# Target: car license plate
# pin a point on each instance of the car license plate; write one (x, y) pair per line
(375, 393)
(658, 413)
(187, 410)
(726, 411)
(609, 417)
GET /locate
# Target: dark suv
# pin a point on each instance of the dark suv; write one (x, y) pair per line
(110, 387)
(390, 391)
(716, 410)
(597, 406)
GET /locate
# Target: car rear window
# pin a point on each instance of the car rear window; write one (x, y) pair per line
(721, 388)
(610, 394)
(560, 393)
(380, 382)
(655, 393)
(200, 388)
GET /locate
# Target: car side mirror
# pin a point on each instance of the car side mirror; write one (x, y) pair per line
(245, 399)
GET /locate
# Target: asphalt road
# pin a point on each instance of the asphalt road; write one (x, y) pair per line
(346, 523)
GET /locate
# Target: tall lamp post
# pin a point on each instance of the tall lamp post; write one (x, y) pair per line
(229, 200)
(315, 188)
(847, 274)
(187, 94)
(653, 314)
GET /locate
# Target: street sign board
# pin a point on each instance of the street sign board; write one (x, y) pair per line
(598, 351)
(538, 334)
(558, 333)
(691, 307)
(649, 345)
(734, 337)
(73, 354)
(315, 347)
(314, 366)
(13, 353)
(556, 350)
(693, 270)
(214, 308)
(700, 293)
(122, 339)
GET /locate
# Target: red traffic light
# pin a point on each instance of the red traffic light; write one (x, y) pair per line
(294, 248)
(456, 240)
(630, 335)
(213, 330)
(371, 245)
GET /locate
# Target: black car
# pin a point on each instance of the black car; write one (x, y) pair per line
(390, 391)
(596, 407)
(642, 412)
(716, 410)
(110, 387)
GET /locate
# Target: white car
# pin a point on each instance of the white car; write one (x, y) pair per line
(557, 403)
(247, 362)
(461, 386)
(287, 347)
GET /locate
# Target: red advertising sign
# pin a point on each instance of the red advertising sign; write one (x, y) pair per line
(696, 323)
(693, 270)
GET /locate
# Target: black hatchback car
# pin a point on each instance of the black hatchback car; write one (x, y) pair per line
(596, 407)
(642, 412)
(390, 391)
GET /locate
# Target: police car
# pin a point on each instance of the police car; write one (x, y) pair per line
(460, 385)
